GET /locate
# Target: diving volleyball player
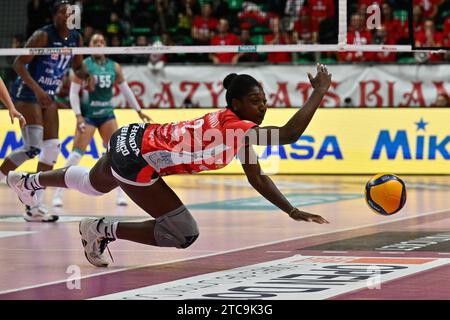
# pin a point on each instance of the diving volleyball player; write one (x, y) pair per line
(139, 155)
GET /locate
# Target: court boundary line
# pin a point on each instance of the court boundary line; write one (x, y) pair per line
(223, 252)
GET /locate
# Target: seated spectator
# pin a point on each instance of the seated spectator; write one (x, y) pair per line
(358, 36)
(246, 40)
(442, 101)
(304, 28)
(383, 37)
(114, 26)
(141, 58)
(277, 37)
(396, 28)
(203, 26)
(320, 10)
(224, 38)
(251, 16)
(429, 37)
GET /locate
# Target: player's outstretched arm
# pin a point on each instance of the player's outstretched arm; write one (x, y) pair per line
(294, 128)
(267, 188)
(129, 95)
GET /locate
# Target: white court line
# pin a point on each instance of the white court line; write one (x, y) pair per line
(278, 251)
(331, 251)
(227, 251)
(391, 252)
(5, 234)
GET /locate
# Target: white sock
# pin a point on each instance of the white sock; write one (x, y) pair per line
(108, 229)
(114, 229)
(33, 182)
(2, 177)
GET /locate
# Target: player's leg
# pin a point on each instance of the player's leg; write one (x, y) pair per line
(50, 146)
(74, 177)
(47, 159)
(32, 135)
(106, 129)
(173, 226)
(80, 142)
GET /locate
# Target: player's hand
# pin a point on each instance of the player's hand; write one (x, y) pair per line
(43, 98)
(144, 117)
(322, 81)
(299, 215)
(81, 125)
(16, 114)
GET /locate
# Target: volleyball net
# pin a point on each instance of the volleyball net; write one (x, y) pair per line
(303, 26)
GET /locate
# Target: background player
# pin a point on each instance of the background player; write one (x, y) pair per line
(139, 154)
(97, 112)
(33, 93)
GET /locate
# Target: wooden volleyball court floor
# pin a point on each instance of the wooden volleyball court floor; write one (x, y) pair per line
(247, 249)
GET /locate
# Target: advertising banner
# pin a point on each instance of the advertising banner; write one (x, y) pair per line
(337, 141)
(288, 86)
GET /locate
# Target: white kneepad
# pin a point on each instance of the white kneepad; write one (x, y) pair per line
(50, 151)
(78, 178)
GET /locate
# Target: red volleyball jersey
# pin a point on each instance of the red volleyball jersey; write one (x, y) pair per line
(209, 142)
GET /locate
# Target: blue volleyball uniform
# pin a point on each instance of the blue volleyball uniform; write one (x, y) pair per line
(48, 70)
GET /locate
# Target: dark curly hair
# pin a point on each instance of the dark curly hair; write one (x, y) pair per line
(238, 86)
